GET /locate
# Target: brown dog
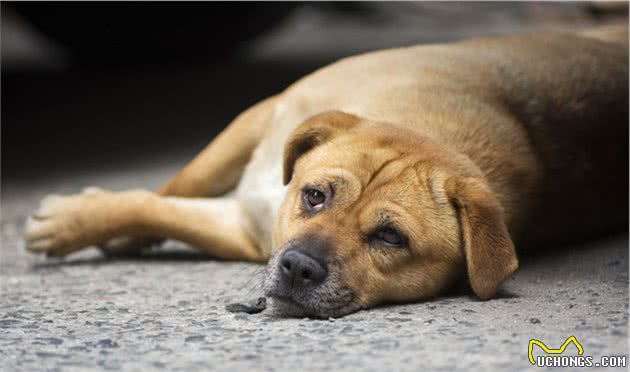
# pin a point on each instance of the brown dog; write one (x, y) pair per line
(433, 160)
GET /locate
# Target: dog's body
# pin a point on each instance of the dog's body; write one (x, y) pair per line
(526, 134)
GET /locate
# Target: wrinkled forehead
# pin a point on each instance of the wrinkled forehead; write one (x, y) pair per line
(364, 167)
(353, 153)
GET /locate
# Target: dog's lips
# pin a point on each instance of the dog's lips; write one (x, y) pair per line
(289, 305)
(285, 299)
(293, 307)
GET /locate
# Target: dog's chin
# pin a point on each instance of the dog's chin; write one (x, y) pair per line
(284, 306)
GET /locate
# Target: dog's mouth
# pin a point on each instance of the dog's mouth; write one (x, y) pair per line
(289, 306)
(285, 305)
(330, 298)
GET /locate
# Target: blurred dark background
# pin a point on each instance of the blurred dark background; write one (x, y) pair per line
(105, 86)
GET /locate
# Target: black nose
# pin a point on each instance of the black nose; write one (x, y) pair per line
(299, 269)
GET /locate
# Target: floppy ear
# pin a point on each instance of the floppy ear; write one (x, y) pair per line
(489, 251)
(312, 133)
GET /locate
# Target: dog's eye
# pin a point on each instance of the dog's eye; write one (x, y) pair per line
(314, 199)
(390, 236)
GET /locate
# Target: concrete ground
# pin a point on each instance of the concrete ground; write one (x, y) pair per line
(167, 311)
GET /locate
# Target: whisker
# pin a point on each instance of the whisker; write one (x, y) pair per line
(254, 285)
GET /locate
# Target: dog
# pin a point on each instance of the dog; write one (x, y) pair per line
(393, 175)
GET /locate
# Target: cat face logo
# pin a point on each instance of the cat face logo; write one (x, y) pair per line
(547, 350)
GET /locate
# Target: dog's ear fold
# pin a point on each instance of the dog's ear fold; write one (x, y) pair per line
(312, 133)
(488, 248)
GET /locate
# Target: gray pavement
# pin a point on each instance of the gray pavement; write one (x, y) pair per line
(167, 312)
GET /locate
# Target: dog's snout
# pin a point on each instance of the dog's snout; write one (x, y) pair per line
(299, 269)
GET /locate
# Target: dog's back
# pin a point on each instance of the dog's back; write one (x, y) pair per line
(571, 96)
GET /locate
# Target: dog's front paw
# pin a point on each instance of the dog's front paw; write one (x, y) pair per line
(63, 224)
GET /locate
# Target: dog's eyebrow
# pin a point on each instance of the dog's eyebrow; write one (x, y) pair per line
(386, 219)
(383, 217)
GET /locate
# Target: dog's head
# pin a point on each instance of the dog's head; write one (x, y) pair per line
(375, 213)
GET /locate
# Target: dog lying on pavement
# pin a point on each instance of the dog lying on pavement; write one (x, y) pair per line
(392, 175)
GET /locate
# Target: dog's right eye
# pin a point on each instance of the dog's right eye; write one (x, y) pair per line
(313, 199)
(390, 237)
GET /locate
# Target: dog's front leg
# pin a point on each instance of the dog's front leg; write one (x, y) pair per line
(213, 172)
(65, 224)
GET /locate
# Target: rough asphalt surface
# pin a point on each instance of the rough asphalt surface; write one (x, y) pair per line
(168, 311)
